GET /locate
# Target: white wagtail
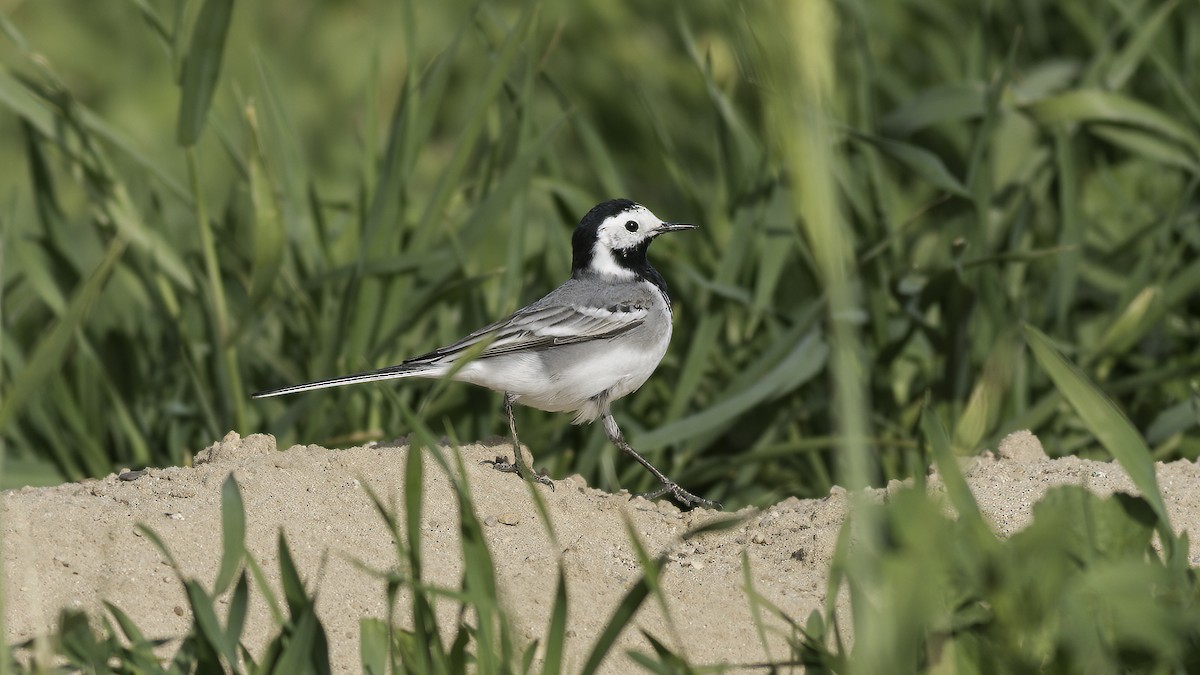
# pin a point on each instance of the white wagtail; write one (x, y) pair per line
(592, 340)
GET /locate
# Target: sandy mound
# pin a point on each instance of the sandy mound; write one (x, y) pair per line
(76, 544)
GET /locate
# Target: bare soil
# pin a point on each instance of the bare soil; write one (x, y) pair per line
(75, 545)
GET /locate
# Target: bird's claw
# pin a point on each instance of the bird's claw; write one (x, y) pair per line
(684, 497)
(501, 463)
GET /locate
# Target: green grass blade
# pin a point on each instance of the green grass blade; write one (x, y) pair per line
(636, 595)
(651, 569)
(1070, 236)
(494, 643)
(1131, 323)
(807, 359)
(947, 465)
(78, 642)
(125, 215)
(752, 597)
(269, 235)
(201, 68)
(51, 351)
(1106, 422)
(102, 129)
(921, 161)
(556, 631)
(705, 332)
(1092, 105)
(425, 623)
(987, 397)
(1131, 56)
(233, 534)
(128, 627)
(599, 157)
(935, 106)
(160, 545)
(260, 581)
(17, 97)
(452, 175)
(239, 603)
(424, 620)
(620, 618)
(297, 653)
(1151, 146)
(227, 369)
(206, 621)
(289, 578)
(373, 646)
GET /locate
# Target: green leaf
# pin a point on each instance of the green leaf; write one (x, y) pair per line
(233, 534)
(239, 603)
(1145, 144)
(1093, 105)
(987, 396)
(1109, 528)
(269, 235)
(160, 545)
(1131, 324)
(18, 98)
(79, 643)
(946, 103)
(297, 653)
(293, 587)
(373, 646)
(260, 581)
(556, 631)
(202, 67)
(1106, 422)
(128, 627)
(1180, 417)
(620, 618)
(922, 162)
(414, 492)
(1070, 237)
(51, 350)
(807, 358)
(947, 465)
(206, 621)
(479, 106)
(1126, 62)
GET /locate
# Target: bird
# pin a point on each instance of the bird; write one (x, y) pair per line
(593, 340)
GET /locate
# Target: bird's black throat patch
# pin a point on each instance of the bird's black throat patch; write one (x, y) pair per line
(634, 259)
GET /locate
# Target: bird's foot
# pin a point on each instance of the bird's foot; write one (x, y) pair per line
(501, 463)
(684, 497)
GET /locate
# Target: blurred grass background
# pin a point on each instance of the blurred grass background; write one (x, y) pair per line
(376, 178)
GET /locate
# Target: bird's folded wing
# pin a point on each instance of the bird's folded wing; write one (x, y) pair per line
(535, 328)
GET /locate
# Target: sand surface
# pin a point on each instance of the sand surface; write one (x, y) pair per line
(76, 544)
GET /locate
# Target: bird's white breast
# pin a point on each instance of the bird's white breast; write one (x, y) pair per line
(582, 377)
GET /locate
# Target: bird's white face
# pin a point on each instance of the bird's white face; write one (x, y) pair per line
(623, 231)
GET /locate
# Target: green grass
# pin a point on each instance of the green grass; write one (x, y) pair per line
(276, 221)
(913, 216)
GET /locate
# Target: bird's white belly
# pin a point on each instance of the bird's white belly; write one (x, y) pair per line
(573, 377)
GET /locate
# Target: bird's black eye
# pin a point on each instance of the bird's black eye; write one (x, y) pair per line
(631, 226)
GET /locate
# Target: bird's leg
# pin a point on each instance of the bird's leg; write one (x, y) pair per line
(518, 465)
(685, 497)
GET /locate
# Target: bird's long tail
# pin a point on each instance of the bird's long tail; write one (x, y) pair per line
(389, 373)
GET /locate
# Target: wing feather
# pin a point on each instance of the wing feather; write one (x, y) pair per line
(542, 327)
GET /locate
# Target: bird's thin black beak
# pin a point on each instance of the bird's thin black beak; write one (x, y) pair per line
(674, 227)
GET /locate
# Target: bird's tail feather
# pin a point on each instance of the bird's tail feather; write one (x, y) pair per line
(390, 373)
